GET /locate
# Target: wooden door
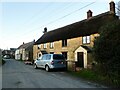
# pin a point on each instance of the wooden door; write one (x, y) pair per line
(80, 62)
(65, 55)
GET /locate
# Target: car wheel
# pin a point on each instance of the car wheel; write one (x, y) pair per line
(47, 68)
(35, 66)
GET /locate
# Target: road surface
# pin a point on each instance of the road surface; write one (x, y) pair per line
(15, 74)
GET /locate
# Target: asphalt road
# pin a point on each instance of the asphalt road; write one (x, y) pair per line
(16, 74)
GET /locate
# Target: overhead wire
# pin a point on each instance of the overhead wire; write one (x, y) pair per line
(69, 13)
(42, 10)
(64, 16)
(55, 12)
(51, 22)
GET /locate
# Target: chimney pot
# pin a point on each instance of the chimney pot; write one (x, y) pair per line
(45, 30)
(89, 14)
(34, 40)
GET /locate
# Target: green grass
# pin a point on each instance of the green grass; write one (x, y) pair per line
(90, 75)
(87, 74)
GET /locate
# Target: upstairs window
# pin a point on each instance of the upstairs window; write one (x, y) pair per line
(39, 46)
(86, 39)
(45, 46)
(51, 45)
(64, 43)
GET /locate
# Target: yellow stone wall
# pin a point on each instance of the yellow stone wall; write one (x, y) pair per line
(72, 45)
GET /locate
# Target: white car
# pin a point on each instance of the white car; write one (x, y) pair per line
(50, 61)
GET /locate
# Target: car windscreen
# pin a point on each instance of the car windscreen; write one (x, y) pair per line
(57, 56)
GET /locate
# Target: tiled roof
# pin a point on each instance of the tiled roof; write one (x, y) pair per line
(81, 28)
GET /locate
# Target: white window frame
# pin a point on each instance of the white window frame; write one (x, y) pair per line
(39, 46)
(51, 44)
(86, 39)
(44, 45)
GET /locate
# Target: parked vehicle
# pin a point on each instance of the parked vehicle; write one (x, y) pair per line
(28, 62)
(6, 57)
(50, 61)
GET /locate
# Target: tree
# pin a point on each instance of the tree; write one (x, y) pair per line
(119, 9)
(107, 49)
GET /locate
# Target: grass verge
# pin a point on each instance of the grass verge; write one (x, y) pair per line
(91, 76)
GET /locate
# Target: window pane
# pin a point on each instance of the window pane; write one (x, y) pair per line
(45, 45)
(44, 57)
(88, 39)
(48, 57)
(64, 43)
(84, 40)
(39, 46)
(51, 45)
(58, 56)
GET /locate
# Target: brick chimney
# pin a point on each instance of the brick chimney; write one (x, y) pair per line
(112, 7)
(89, 14)
(45, 30)
(34, 40)
(23, 43)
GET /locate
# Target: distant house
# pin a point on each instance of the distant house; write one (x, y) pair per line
(10, 53)
(74, 41)
(25, 51)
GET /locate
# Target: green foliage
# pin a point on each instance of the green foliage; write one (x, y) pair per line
(3, 61)
(85, 73)
(107, 50)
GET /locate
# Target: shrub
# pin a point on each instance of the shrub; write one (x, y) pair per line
(107, 50)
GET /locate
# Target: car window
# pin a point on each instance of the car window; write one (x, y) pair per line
(48, 57)
(39, 58)
(58, 56)
(44, 57)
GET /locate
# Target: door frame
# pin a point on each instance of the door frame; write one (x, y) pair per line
(80, 59)
(81, 49)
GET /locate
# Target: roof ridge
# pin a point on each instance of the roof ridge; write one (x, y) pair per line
(26, 45)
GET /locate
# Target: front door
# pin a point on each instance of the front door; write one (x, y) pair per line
(65, 55)
(20, 56)
(80, 62)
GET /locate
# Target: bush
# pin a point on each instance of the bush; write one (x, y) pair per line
(107, 50)
(3, 61)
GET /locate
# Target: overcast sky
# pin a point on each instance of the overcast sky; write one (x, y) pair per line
(24, 20)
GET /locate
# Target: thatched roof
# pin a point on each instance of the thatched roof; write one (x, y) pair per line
(81, 28)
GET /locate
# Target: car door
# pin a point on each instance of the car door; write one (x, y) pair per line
(47, 60)
(42, 61)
